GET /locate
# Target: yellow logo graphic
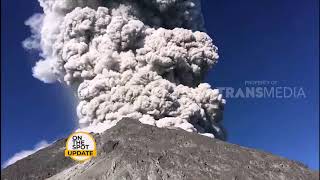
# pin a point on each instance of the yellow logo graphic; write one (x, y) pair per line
(80, 146)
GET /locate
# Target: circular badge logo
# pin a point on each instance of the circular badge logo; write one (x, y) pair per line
(80, 146)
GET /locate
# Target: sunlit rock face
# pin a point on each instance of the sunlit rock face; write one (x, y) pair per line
(138, 59)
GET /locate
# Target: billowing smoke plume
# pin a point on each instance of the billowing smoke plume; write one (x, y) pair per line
(138, 59)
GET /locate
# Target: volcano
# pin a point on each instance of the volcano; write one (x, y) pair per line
(132, 150)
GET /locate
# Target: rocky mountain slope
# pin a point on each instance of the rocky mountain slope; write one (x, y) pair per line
(132, 150)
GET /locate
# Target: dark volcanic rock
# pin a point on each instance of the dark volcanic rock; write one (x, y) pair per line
(40, 165)
(132, 150)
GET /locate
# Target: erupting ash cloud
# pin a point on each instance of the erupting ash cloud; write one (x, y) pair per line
(137, 59)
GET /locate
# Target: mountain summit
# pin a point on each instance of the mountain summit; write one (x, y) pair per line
(131, 150)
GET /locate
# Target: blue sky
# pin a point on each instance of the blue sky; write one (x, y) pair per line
(275, 40)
